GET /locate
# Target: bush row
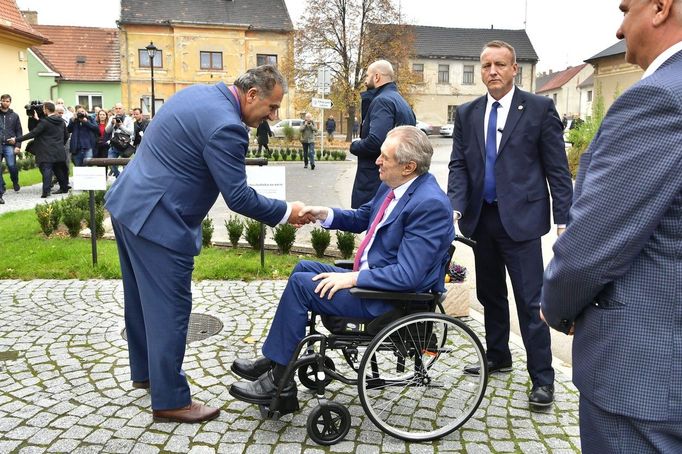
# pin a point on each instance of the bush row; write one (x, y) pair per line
(71, 211)
(28, 162)
(296, 154)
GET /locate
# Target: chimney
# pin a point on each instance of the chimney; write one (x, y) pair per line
(550, 71)
(31, 17)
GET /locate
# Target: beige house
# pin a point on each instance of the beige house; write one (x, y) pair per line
(446, 65)
(586, 88)
(612, 74)
(16, 36)
(564, 89)
(199, 43)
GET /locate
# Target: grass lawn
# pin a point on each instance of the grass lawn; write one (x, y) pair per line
(26, 178)
(27, 254)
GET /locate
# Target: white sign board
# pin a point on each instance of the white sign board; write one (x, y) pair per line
(267, 181)
(322, 103)
(89, 178)
(324, 80)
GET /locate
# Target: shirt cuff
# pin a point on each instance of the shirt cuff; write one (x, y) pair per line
(330, 218)
(286, 215)
(561, 226)
(457, 215)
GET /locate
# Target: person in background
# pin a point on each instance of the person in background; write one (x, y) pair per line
(102, 146)
(139, 126)
(83, 136)
(616, 277)
(330, 126)
(119, 122)
(10, 126)
(356, 128)
(263, 134)
(308, 130)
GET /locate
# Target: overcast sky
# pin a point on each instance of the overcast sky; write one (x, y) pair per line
(564, 33)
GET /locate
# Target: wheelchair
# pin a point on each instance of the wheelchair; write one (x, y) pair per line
(407, 366)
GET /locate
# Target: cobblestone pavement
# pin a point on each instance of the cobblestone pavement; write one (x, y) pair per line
(64, 384)
(27, 198)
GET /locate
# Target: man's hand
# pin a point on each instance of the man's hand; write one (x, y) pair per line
(296, 218)
(318, 213)
(330, 283)
(11, 141)
(17, 151)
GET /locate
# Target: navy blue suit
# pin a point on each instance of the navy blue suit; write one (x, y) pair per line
(386, 111)
(193, 150)
(409, 254)
(617, 272)
(530, 156)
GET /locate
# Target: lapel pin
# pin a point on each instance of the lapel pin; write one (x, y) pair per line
(520, 107)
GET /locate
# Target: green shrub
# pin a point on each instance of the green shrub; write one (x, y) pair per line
(275, 155)
(206, 231)
(44, 214)
(99, 221)
(253, 233)
(235, 228)
(285, 235)
(342, 155)
(581, 137)
(318, 155)
(72, 216)
(56, 215)
(289, 132)
(345, 242)
(320, 239)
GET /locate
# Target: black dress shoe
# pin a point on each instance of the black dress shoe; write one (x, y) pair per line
(2, 201)
(16, 187)
(141, 384)
(542, 396)
(251, 369)
(61, 191)
(44, 196)
(492, 368)
(262, 390)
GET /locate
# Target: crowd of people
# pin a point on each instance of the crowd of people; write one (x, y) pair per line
(61, 135)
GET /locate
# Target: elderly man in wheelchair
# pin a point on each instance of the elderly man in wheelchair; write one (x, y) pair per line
(409, 228)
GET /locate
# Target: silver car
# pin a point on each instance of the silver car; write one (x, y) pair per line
(446, 130)
(278, 129)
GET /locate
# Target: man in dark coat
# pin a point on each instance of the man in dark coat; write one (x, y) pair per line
(263, 133)
(50, 137)
(10, 126)
(386, 111)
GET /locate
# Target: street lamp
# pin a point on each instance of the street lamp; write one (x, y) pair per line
(151, 51)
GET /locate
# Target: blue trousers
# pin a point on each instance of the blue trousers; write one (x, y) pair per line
(157, 303)
(114, 153)
(10, 160)
(299, 297)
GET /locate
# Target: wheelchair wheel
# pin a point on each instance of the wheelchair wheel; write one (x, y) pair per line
(308, 373)
(328, 423)
(411, 380)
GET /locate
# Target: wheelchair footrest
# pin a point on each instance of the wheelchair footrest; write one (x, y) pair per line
(279, 407)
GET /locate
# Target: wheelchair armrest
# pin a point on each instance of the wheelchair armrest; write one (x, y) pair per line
(345, 264)
(394, 296)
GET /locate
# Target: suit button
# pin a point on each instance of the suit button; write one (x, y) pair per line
(565, 322)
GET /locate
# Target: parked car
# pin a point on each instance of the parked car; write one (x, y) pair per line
(424, 127)
(446, 130)
(278, 129)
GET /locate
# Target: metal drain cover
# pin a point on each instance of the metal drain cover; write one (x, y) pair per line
(201, 326)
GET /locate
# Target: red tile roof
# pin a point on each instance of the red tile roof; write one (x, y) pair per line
(560, 78)
(12, 21)
(97, 50)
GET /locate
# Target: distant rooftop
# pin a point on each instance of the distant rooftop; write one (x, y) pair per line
(616, 49)
(559, 79)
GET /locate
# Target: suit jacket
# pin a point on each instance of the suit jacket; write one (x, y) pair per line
(194, 148)
(617, 270)
(531, 154)
(386, 111)
(418, 230)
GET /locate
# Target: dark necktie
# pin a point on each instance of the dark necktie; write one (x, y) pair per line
(489, 191)
(372, 228)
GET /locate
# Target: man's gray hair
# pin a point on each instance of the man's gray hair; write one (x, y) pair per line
(263, 78)
(413, 145)
(499, 44)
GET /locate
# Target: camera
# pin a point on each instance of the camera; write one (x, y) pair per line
(35, 107)
(118, 119)
(80, 115)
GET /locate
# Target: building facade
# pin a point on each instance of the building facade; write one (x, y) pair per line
(612, 74)
(564, 89)
(199, 42)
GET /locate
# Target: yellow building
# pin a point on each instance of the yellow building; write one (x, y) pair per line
(16, 36)
(200, 42)
(612, 74)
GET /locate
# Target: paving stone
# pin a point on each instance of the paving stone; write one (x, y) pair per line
(177, 443)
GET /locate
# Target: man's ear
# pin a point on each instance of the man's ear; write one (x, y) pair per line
(251, 95)
(662, 11)
(410, 167)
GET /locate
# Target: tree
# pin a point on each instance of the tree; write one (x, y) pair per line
(346, 36)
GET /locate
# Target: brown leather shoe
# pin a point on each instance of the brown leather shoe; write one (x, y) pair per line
(192, 413)
(141, 384)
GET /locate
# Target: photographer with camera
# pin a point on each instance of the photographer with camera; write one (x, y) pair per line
(308, 130)
(48, 147)
(120, 126)
(83, 136)
(10, 126)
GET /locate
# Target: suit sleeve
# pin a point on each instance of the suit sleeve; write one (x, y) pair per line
(381, 121)
(632, 178)
(355, 221)
(555, 164)
(35, 132)
(225, 156)
(458, 178)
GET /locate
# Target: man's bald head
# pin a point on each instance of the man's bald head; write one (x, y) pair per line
(379, 73)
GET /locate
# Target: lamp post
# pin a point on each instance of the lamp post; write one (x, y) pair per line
(151, 51)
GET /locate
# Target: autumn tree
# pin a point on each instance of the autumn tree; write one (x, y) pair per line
(346, 36)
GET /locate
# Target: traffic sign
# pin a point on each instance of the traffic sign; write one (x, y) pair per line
(322, 103)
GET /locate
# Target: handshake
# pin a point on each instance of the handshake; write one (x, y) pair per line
(302, 214)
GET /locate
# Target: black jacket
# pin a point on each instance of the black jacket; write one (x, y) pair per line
(263, 132)
(10, 126)
(139, 126)
(50, 136)
(83, 135)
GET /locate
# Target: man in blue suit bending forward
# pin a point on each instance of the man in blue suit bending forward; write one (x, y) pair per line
(193, 150)
(409, 229)
(616, 276)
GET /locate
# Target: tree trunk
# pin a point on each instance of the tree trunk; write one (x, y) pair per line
(351, 120)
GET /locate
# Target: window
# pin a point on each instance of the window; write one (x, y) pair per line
(468, 75)
(554, 98)
(89, 100)
(443, 74)
(452, 113)
(519, 76)
(418, 71)
(144, 58)
(146, 104)
(589, 95)
(211, 60)
(265, 59)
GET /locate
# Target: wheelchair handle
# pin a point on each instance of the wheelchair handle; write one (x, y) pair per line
(468, 241)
